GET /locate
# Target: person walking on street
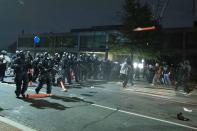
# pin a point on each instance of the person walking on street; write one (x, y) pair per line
(157, 76)
(186, 76)
(124, 72)
(166, 75)
(45, 66)
(179, 75)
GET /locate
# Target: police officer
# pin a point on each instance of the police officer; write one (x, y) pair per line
(75, 67)
(45, 67)
(29, 60)
(56, 61)
(35, 63)
(66, 66)
(21, 77)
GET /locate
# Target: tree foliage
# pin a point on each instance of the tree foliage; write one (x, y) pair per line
(135, 14)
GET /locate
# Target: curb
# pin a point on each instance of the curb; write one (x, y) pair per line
(15, 124)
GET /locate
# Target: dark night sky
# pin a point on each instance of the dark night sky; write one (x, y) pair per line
(62, 15)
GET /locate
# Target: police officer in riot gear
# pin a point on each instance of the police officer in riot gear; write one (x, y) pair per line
(66, 66)
(45, 67)
(75, 68)
(29, 60)
(21, 77)
(35, 63)
(56, 61)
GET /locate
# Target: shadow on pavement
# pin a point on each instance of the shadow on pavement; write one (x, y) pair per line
(93, 92)
(43, 104)
(89, 95)
(1, 109)
(69, 99)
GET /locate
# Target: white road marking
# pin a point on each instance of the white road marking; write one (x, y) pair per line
(15, 124)
(166, 97)
(144, 116)
(136, 114)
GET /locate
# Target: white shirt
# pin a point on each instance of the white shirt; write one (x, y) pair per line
(124, 68)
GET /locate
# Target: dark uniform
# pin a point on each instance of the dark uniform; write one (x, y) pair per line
(21, 76)
(29, 60)
(3, 65)
(56, 62)
(35, 63)
(45, 67)
(66, 66)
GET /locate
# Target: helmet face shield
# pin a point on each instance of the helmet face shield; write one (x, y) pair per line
(3, 52)
(46, 54)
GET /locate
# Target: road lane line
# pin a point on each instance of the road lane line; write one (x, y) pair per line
(136, 114)
(144, 116)
(15, 124)
(105, 107)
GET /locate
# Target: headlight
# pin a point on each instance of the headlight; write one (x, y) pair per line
(135, 65)
(140, 65)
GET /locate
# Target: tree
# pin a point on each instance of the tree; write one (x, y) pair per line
(134, 15)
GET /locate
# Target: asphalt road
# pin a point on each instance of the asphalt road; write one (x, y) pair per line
(98, 106)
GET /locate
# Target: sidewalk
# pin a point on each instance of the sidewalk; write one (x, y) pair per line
(9, 125)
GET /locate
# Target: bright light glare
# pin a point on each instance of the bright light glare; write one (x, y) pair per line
(145, 28)
(140, 65)
(135, 65)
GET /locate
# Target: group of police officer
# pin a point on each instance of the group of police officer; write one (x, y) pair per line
(51, 70)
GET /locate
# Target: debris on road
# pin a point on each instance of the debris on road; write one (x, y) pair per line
(181, 117)
(186, 109)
